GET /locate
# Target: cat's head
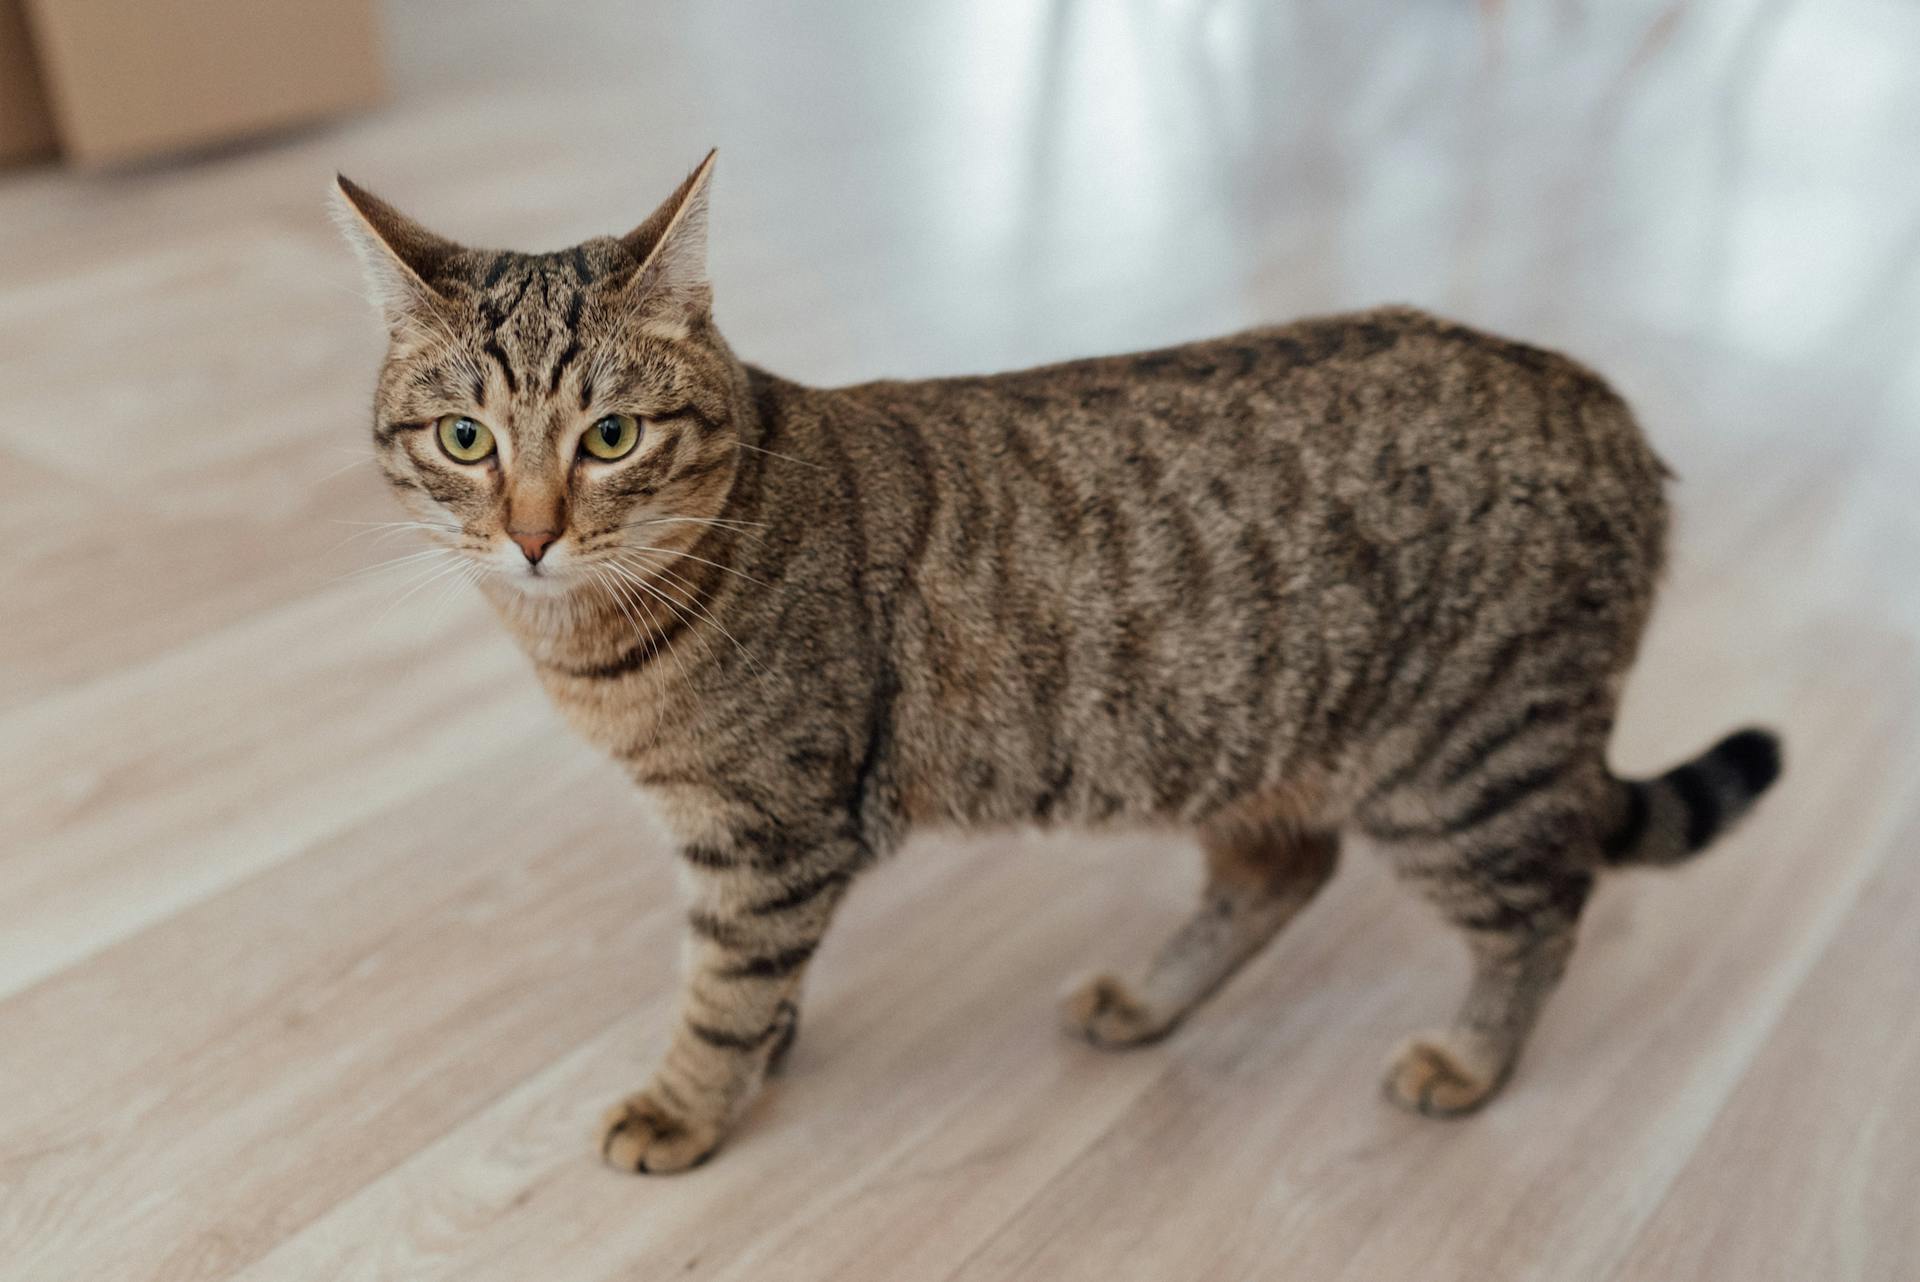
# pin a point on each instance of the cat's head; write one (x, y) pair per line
(549, 415)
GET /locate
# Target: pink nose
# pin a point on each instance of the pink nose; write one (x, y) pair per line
(534, 543)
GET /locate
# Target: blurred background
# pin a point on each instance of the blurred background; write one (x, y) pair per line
(321, 942)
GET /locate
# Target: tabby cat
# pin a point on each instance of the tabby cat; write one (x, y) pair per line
(1375, 573)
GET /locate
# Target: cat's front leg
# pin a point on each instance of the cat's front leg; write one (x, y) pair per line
(756, 911)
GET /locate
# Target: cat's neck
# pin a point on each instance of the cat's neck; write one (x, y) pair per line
(625, 619)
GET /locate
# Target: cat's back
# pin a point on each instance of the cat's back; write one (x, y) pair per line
(1385, 406)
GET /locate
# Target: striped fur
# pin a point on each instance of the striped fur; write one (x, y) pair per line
(1665, 820)
(1377, 574)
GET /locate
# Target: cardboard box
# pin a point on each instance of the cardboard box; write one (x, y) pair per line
(26, 123)
(134, 78)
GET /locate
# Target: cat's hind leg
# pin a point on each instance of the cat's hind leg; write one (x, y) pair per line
(1508, 858)
(1259, 874)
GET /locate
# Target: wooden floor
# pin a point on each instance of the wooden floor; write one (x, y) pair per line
(307, 973)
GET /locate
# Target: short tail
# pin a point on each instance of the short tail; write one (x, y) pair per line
(1672, 818)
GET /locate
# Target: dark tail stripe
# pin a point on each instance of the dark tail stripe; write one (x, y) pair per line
(1695, 790)
(1754, 755)
(1634, 825)
(1666, 819)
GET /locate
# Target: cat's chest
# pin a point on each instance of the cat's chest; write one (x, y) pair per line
(620, 715)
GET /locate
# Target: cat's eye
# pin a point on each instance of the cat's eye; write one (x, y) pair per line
(612, 436)
(465, 439)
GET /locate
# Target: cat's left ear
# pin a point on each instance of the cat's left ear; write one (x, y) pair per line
(399, 255)
(671, 248)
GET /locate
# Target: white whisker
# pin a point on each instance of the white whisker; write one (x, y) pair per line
(409, 558)
(382, 531)
(694, 603)
(642, 547)
(452, 591)
(361, 461)
(653, 633)
(743, 528)
(674, 607)
(434, 575)
(760, 449)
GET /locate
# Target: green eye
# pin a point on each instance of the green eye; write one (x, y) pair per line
(612, 436)
(466, 440)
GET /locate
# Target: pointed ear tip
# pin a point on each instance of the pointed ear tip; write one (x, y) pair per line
(348, 194)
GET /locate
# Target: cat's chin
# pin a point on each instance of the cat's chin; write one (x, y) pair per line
(545, 586)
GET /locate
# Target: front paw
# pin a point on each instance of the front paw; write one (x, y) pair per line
(646, 1137)
(1441, 1075)
(1102, 1010)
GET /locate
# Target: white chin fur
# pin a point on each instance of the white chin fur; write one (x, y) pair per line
(547, 583)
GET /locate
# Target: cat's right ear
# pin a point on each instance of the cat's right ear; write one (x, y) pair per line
(399, 255)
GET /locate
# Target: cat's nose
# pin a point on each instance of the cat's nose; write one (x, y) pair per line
(534, 543)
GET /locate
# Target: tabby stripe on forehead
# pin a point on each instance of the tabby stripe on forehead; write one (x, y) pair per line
(492, 348)
(560, 366)
(496, 314)
(499, 268)
(578, 258)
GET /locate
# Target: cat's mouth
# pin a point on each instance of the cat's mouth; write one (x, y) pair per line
(541, 580)
(549, 576)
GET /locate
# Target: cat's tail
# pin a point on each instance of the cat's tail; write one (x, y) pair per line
(1672, 818)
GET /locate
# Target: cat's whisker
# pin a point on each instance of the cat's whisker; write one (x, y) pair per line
(674, 608)
(342, 470)
(406, 559)
(384, 531)
(453, 564)
(761, 449)
(653, 634)
(452, 590)
(743, 528)
(619, 600)
(407, 525)
(643, 547)
(694, 603)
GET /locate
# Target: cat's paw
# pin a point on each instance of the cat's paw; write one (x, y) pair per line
(786, 1027)
(1103, 1011)
(646, 1137)
(1437, 1075)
